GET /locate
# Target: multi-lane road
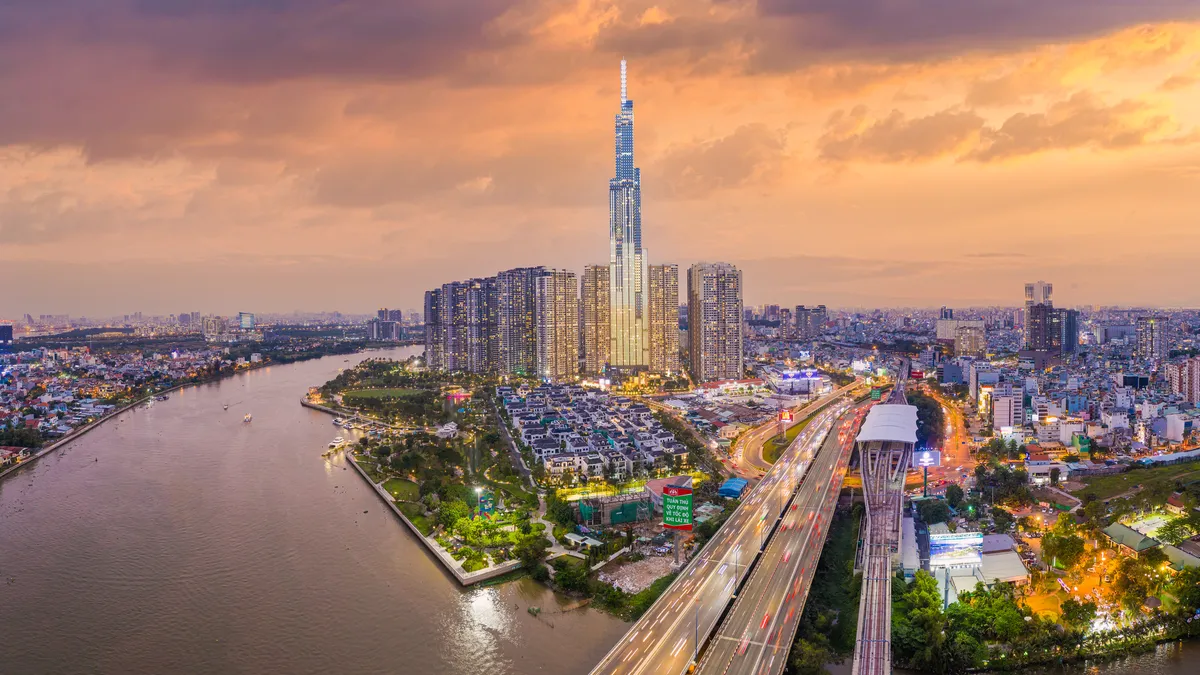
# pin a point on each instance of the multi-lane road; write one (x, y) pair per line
(757, 634)
(748, 450)
(666, 639)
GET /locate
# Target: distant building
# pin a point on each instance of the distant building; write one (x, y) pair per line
(595, 323)
(517, 321)
(6, 337)
(214, 325)
(246, 321)
(810, 321)
(663, 312)
(1151, 337)
(970, 341)
(715, 321)
(557, 312)
(947, 328)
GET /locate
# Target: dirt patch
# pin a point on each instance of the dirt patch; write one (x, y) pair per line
(632, 577)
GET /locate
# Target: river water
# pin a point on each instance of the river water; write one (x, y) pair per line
(178, 539)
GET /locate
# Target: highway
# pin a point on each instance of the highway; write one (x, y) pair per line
(748, 449)
(756, 636)
(667, 637)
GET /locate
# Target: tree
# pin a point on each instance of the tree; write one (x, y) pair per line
(1175, 531)
(1077, 615)
(571, 577)
(933, 511)
(1003, 519)
(1054, 473)
(954, 495)
(451, 511)
(809, 657)
(1186, 587)
(530, 550)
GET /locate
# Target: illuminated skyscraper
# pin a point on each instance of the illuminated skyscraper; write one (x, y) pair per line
(1152, 337)
(557, 318)
(715, 321)
(627, 261)
(596, 320)
(663, 314)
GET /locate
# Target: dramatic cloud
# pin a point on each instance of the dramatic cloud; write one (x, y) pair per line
(926, 27)
(895, 138)
(750, 155)
(419, 141)
(1082, 121)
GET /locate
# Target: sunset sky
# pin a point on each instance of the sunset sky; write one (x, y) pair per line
(271, 155)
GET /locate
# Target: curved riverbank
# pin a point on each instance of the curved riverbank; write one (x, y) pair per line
(199, 544)
(78, 432)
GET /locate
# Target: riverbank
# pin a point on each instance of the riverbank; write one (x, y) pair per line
(443, 556)
(79, 432)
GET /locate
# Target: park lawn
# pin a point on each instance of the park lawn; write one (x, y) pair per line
(474, 564)
(390, 392)
(402, 490)
(773, 448)
(368, 465)
(1106, 487)
(416, 515)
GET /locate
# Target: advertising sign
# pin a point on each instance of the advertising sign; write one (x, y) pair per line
(956, 549)
(927, 458)
(487, 504)
(785, 416)
(677, 507)
(916, 374)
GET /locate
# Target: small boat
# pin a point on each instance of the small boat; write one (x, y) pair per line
(336, 442)
(248, 417)
(160, 398)
(225, 407)
(337, 422)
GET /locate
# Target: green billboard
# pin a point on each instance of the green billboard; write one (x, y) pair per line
(677, 507)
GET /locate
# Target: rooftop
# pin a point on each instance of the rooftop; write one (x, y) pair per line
(890, 422)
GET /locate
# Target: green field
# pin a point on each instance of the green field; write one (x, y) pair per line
(395, 392)
(402, 490)
(1157, 479)
(416, 514)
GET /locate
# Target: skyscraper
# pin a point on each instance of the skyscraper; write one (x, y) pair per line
(663, 313)
(810, 321)
(557, 312)
(715, 321)
(596, 322)
(1037, 293)
(970, 340)
(434, 334)
(516, 320)
(626, 259)
(1151, 337)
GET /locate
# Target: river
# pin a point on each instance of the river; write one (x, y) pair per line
(178, 539)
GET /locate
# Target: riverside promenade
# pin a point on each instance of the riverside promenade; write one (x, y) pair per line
(441, 554)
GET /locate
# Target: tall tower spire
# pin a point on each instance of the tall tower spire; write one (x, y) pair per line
(627, 267)
(624, 96)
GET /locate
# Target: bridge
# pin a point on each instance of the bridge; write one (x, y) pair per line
(667, 639)
(885, 447)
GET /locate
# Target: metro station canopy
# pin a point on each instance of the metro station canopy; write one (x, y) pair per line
(890, 422)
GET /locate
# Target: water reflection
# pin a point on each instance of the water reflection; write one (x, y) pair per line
(200, 544)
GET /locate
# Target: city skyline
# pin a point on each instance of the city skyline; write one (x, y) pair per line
(1026, 143)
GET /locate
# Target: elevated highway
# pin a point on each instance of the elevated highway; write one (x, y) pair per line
(756, 635)
(667, 639)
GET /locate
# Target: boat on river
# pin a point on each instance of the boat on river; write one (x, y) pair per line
(248, 417)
